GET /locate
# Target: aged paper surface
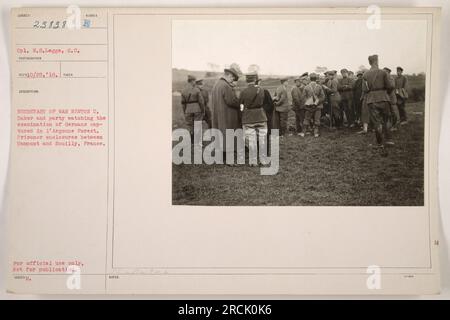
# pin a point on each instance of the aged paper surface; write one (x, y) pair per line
(94, 197)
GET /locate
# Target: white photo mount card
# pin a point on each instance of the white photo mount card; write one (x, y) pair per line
(224, 151)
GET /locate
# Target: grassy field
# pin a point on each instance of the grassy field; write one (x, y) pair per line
(340, 168)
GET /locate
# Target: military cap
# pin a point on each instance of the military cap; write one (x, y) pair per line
(400, 68)
(199, 81)
(304, 76)
(191, 78)
(233, 71)
(387, 69)
(251, 77)
(344, 70)
(315, 75)
(360, 73)
(283, 80)
(373, 58)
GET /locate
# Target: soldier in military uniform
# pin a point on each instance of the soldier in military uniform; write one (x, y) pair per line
(254, 119)
(345, 87)
(267, 106)
(297, 102)
(331, 89)
(207, 116)
(282, 107)
(314, 96)
(377, 87)
(394, 118)
(193, 104)
(357, 96)
(351, 75)
(401, 87)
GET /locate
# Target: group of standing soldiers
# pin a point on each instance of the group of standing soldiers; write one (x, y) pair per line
(349, 101)
(373, 98)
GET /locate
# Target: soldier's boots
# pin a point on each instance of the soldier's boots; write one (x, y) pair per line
(305, 130)
(379, 135)
(316, 132)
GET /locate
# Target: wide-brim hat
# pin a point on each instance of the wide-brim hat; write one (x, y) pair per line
(233, 71)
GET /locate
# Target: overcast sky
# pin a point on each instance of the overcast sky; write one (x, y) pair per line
(296, 46)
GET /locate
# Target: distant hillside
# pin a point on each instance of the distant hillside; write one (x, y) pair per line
(180, 75)
(179, 79)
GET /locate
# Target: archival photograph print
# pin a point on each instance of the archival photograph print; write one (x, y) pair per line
(299, 112)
